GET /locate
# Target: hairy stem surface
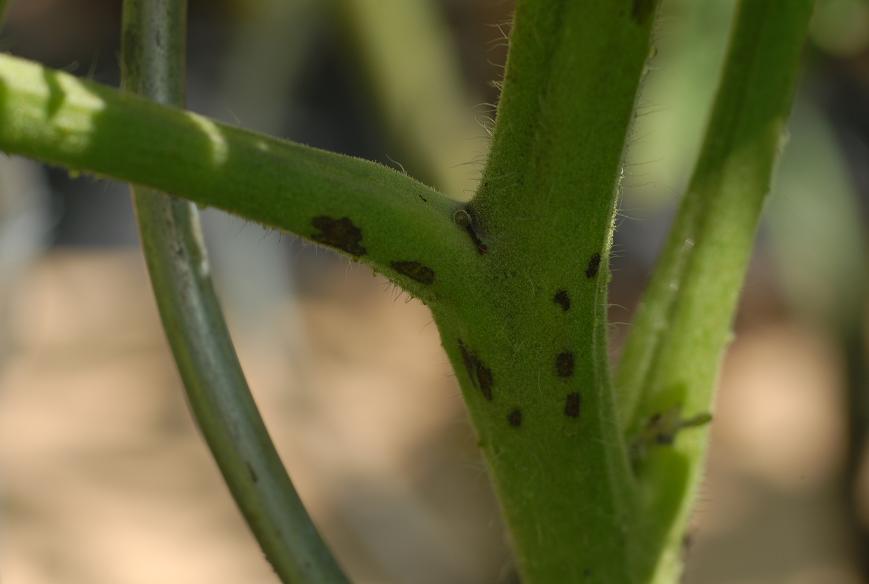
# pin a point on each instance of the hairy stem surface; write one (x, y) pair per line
(364, 210)
(531, 353)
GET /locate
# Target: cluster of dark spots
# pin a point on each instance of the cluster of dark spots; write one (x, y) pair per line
(340, 233)
(467, 220)
(562, 298)
(564, 364)
(642, 10)
(415, 271)
(572, 404)
(514, 418)
(480, 375)
(251, 472)
(593, 266)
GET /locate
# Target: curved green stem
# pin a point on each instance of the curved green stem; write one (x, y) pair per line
(153, 56)
(367, 211)
(667, 375)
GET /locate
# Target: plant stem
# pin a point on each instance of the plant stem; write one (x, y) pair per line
(371, 213)
(671, 361)
(531, 355)
(153, 59)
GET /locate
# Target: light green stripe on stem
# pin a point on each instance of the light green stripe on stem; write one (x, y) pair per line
(671, 361)
(374, 214)
(153, 60)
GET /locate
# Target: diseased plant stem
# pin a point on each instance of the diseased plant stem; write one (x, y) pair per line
(531, 355)
(371, 213)
(153, 59)
(671, 361)
(594, 489)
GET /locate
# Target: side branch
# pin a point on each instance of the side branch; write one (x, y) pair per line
(668, 371)
(373, 214)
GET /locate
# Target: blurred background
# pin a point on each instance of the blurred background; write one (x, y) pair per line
(103, 476)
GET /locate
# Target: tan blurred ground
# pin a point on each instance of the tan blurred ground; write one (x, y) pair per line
(103, 478)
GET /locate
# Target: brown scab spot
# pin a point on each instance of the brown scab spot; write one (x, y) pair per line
(562, 298)
(514, 418)
(466, 219)
(642, 10)
(593, 266)
(480, 375)
(662, 427)
(415, 271)
(572, 404)
(564, 364)
(341, 233)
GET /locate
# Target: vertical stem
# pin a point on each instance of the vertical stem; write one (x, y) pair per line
(668, 372)
(153, 65)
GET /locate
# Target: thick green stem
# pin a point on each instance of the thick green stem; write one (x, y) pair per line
(153, 58)
(373, 214)
(668, 371)
(531, 354)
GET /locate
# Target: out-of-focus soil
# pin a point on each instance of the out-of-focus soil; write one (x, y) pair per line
(104, 479)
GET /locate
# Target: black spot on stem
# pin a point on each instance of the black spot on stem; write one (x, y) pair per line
(481, 376)
(514, 418)
(572, 404)
(466, 219)
(415, 271)
(564, 364)
(593, 266)
(562, 298)
(341, 233)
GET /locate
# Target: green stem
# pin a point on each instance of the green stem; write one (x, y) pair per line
(531, 355)
(373, 214)
(670, 364)
(153, 59)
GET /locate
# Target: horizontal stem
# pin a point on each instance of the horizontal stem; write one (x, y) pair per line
(367, 211)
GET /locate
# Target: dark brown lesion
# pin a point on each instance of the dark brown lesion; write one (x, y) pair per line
(661, 429)
(642, 10)
(467, 219)
(339, 233)
(514, 418)
(481, 376)
(593, 266)
(562, 298)
(572, 404)
(564, 364)
(415, 271)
